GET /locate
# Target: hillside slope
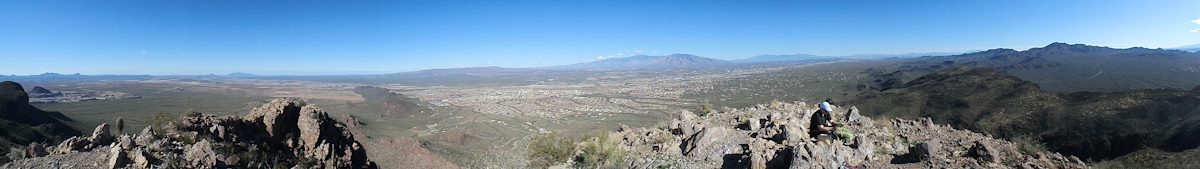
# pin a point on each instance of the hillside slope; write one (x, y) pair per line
(1086, 124)
(21, 123)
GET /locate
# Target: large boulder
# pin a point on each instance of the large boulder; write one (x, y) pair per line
(145, 137)
(793, 134)
(816, 156)
(71, 144)
(101, 134)
(201, 155)
(140, 158)
(922, 152)
(278, 116)
(313, 126)
(853, 115)
(116, 158)
(983, 152)
(36, 150)
(712, 143)
(125, 142)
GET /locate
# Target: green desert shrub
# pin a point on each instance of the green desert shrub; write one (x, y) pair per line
(161, 122)
(1029, 145)
(776, 104)
(15, 153)
(705, 109)
(549, 149)
(599, 152)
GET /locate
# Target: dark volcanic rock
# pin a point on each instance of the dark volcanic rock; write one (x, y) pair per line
(39, 90)
(21, 123)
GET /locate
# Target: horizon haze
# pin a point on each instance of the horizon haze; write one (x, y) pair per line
(375, 37)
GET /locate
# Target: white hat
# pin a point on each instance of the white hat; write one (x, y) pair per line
(825, 106)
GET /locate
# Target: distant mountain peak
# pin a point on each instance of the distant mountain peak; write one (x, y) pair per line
(240, 74)
(1059, 46)
(40, 90)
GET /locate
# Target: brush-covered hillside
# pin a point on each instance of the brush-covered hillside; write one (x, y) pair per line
(1092, 125)
(1062, 67)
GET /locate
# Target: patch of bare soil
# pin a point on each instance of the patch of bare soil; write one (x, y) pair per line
(405, 152)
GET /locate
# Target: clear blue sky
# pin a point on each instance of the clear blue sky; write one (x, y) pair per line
(333, 37)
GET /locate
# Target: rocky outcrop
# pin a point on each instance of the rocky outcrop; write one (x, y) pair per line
(283, 133)
(22, 123)
(39, 90)
(983, 152)
(100, 137)
(276, 117)
(116, 158)
(201, 155)
(776, 137)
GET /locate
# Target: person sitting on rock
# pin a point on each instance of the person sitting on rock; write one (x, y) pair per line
(822, 123)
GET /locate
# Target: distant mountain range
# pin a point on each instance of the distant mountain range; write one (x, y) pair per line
(787, 58)
(1189, 48)
(647, 62)
(795, 58)
(1063, 67)
(466, 71)
(240, 74)
(693, 61)
(905, 55)
(674, 61)
(637, 62)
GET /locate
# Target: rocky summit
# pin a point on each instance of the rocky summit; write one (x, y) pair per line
(776, 136)
(282, 133)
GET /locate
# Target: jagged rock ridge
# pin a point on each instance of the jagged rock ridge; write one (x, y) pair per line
(282, 133)
(776, 137)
